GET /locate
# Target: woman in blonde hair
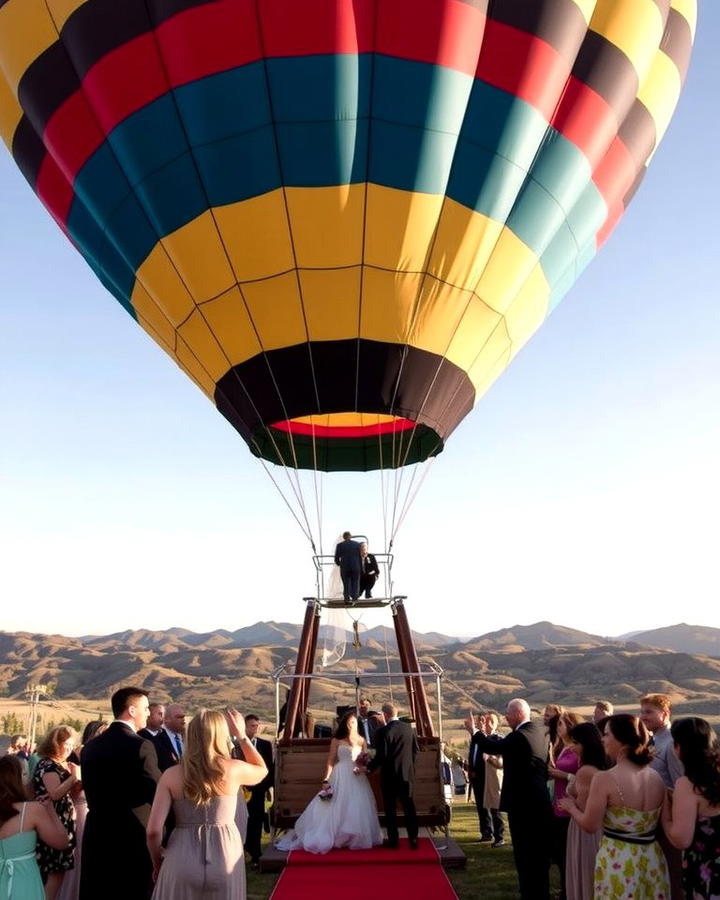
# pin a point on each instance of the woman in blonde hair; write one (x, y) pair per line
(204, 856)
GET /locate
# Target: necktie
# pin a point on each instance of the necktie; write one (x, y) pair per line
(178, 746)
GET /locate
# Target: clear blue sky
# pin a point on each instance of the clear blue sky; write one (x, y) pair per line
(583, 489)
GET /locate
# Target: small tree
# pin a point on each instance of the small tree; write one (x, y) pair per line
(12, 724)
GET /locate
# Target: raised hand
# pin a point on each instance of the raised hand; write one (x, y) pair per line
(236, 722)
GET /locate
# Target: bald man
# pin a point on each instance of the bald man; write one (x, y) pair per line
(525, 797)
(169, 741)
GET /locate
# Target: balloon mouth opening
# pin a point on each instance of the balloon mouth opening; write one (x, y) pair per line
(352, 426)
(346, 442)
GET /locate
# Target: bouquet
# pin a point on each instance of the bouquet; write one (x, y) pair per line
(325, 792)
(361, 763)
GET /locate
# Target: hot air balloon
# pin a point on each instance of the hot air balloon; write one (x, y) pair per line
(341, 218)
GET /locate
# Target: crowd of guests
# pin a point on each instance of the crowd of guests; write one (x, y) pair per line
(139, 806)
(626, 806)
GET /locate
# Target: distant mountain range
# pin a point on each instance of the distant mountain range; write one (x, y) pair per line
(273, 634)
(541, 636)
(542, 662)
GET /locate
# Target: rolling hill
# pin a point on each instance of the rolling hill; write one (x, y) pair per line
(543, 662)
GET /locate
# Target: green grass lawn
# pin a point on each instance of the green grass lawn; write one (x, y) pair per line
(488, 875)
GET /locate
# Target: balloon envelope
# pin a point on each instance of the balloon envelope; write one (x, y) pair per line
(341, 218)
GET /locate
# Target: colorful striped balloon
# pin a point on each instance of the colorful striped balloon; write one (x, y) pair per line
(341, 218)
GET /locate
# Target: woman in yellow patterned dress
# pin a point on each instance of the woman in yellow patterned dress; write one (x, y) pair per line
(626, 801)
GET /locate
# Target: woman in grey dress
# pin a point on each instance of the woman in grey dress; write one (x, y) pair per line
(582, 848)
(204, 856)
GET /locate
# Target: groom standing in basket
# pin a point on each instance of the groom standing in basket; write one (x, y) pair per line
(396, 747)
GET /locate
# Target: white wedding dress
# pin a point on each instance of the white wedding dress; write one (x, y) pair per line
(349, 819)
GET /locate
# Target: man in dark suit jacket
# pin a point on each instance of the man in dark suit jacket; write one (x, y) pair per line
(476, 776)
(169, 740)
(155, 721)
(525, 797)
(368, 721)
(256, 803)
(396, 747)
(119, 774)
(347, 556)
(369, 571)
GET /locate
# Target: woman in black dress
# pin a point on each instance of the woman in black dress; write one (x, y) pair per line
(56, 777)
(691, 818)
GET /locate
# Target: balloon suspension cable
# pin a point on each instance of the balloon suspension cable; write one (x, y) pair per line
(295, 474)
(357, 643)
(398, 476)
(305, 531)
(318, 486)
(410, 498)
(383, 494)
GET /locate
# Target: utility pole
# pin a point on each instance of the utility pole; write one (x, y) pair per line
(34, 691)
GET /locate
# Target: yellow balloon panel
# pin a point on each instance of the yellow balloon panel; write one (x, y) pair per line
(61, 10)
(327, 225)
(256, 235)
(200, 259)
(660, 92)
(387, 304)
(400, 226)
(528, 310)
(10, 112)
(204, 345)
(634, 26)
(492, 357)
(188, 362)
(463, 245)
(26, 31)
(228, 318)
(688, 10)
(276, 310)
(151, 315)
(507, 270)
(331, 299)
(158, 285)
(477, 325)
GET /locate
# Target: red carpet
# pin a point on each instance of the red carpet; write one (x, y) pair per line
(401, 873)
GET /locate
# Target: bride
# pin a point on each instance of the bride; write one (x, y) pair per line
(348, 818)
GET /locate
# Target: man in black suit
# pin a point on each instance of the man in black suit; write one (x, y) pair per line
(347, 556)
(169, 741)
(119, 774)
(476, 775)
(368, 721)
(154, 723)
(525, 797)
(368, 571)
(396, 747)
(256, 803)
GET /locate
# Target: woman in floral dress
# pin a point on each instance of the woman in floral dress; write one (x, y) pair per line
(55, 777)
(692, 819)
(626, 801)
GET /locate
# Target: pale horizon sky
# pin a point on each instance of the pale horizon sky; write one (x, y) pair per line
(583, 489)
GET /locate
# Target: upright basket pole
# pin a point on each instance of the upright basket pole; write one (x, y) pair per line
(409, 660)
